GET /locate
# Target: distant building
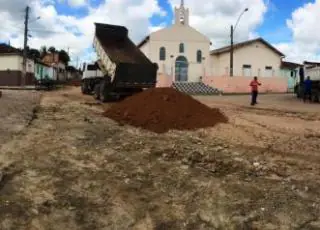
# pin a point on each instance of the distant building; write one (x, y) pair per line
(11, 67)
(250, 58)
(43, 71)
(59, 67)
(290, 70)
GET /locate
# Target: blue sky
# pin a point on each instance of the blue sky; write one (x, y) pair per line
(274, 28)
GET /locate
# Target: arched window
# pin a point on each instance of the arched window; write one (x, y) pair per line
(199, 56)
(181, 48)
(162, 54)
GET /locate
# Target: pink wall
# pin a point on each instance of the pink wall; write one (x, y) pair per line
(235, 84)
(163, 80)
(241, 84)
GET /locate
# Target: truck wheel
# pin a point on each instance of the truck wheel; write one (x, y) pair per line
(105, 89)
(84, 88)
(315, 97)
(96, 92)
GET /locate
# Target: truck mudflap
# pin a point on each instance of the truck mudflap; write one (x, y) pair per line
(129, 75)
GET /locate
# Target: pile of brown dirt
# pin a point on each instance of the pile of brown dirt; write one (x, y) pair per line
(75, 82)
(162, 109)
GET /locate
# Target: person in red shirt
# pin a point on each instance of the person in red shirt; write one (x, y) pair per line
(254, 90)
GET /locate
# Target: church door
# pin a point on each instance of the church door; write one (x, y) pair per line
(181, 69)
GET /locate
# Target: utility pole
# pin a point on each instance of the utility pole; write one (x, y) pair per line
(231, 41)
(24, 63)
(231, 52)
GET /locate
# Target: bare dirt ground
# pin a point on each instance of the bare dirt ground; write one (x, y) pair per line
(71, 168)
(16, 110)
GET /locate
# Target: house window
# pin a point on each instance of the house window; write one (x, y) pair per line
(268, 71)
(162, 54)
(199, 56)
(246, 69)
(181, 48)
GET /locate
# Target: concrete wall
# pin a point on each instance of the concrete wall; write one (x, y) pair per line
(11, 62)
(145, 48)
(14, 78)
(14, 63)
(237, 84)
(257, 54)
(41, 71)
(240, 84)
(292, 77)
(170, 38)
(164, 80)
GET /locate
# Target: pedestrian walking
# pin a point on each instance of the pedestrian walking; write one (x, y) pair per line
(307, 89)
(254, 90)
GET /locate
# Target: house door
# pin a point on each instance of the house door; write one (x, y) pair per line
(181, 65)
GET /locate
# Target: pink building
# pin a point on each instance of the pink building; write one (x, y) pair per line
(251, 58)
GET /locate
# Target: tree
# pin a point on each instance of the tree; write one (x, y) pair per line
(64, 57)
(34, 53)
(52, 50)
(43, 51)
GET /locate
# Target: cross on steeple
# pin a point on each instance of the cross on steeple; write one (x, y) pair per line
(181, 14)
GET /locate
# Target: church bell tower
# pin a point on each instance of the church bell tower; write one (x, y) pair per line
(181, 15)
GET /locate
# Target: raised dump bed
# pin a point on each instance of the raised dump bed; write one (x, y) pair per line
(125, 68)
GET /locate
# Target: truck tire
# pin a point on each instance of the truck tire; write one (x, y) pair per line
(96, 92)
(315, 97)
(84, 87)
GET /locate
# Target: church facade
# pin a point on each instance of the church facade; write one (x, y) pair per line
(183, 55)
(179, 50)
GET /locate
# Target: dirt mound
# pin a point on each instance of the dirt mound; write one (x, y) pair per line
(75, 82)
(162, 109)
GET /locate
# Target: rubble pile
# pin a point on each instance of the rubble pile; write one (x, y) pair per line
(163, 109)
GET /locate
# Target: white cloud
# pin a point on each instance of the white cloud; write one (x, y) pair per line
(77, 3)
(305, 29)
(212, 18)
(58, 30)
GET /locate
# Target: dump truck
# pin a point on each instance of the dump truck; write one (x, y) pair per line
(312, 70)
(91, 76)
(126, 70)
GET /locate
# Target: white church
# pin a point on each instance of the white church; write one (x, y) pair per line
(183, 54)
(179, 50)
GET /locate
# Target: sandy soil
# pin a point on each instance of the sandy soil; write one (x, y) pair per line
(71, 168)
(16, 110)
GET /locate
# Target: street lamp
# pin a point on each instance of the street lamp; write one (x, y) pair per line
(231, 45)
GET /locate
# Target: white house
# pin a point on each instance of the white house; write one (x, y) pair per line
(11, 67)
(250, 58)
